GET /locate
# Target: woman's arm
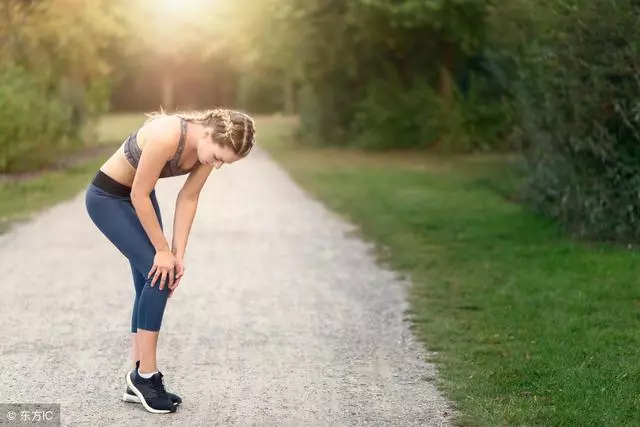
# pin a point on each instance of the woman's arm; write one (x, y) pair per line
(186, 206)
(182, 221)
(160, 147)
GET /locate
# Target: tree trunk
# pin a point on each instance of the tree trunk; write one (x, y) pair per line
(289, 96)
(446, 70)
(445, 86)
(168, 88)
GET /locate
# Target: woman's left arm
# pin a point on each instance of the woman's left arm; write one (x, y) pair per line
(186, 205)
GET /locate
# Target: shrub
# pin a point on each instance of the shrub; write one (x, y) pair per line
(392, 116)
(35, 126)
(580, 121)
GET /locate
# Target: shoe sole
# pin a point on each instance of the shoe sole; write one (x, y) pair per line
(144, 403)
(135, 399)
(130, 398)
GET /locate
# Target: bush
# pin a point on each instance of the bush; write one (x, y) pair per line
(391, 116)
(35, 127)
(580, 121)
(261, 93)
(326, 110)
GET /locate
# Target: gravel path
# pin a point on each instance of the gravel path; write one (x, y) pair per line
(282, 319)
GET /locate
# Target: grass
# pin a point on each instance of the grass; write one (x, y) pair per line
(31, 193)
(530, 327)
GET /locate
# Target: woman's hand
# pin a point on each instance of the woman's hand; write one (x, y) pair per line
(179, 274)
(164, 264)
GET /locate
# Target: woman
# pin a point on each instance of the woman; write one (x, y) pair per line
(121, 202)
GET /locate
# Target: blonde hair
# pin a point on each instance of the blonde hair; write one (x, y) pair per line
(230, 128)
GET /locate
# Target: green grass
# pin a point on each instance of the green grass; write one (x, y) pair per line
(530, 327)
(30, 194)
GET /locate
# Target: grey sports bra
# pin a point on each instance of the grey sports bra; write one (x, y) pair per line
(133, 152)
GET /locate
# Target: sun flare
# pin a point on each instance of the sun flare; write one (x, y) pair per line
(182, 7)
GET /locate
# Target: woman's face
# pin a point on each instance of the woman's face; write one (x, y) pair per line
(212, 153)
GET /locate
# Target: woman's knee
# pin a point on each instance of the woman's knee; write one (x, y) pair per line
(151, 306)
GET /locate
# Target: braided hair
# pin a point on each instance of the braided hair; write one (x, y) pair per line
(231, 128)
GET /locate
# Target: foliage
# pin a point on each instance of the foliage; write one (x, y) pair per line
(65, 44)
(580, 121)
(54, 77)
(368, 69)
(34, 129)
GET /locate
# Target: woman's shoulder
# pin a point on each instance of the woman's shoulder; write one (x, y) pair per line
(165, 127)
(165, 122)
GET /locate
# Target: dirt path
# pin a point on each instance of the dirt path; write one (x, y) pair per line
(281, 319)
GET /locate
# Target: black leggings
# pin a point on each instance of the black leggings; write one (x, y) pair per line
(109, 206)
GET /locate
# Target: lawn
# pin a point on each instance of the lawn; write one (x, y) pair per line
(530, 327)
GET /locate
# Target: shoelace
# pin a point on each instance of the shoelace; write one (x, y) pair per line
(157, 385)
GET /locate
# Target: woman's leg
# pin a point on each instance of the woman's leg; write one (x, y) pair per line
(151, 306)
(118, 221)
(148, 308)
(138, 282)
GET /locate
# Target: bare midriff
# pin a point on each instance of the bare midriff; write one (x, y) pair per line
(118, 167)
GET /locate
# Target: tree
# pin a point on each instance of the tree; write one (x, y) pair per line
(65, 43)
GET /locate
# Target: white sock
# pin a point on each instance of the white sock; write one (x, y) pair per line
(146, 376)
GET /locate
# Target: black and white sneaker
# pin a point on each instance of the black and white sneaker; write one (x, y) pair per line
(130, 396)
(151, 392)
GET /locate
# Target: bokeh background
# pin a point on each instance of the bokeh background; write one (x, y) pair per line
(490, 147)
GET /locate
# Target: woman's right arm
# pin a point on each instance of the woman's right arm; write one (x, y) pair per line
(160, 146)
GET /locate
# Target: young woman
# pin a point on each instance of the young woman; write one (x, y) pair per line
(121, 202)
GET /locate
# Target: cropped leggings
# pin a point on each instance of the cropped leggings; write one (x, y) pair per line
(109, 206)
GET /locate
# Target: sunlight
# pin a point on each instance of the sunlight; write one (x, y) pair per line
(178, 23)
(171, 28)
(175, 8)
